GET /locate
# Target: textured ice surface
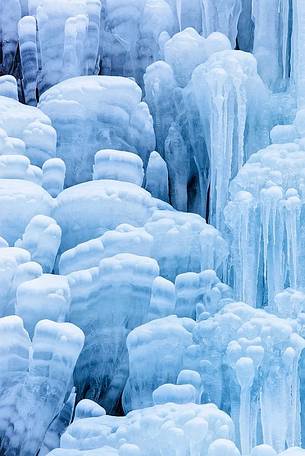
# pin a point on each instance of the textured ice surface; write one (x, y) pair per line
(200, 293)
(15, 268)
(46, 297)
(185, 242)
(203, 87)
(248, 361)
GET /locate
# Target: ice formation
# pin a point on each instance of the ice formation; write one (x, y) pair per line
(97, 112)
(152, 201)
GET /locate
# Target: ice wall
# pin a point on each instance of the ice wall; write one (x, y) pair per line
(159, 182)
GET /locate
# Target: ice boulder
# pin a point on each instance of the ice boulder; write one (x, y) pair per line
(8, 87)
(53, 176)
(184, 242)
(124, 239)
(107, 302)
(19, 167)
(163, 342)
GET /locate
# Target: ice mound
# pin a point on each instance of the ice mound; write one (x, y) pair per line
(104, 112)
(124, 239)
(184, 242)
(180, 242)
(45, 297)
(188, 429)
(8, 87)
(163, 342)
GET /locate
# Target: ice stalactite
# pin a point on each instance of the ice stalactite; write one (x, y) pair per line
(265, 216)
(221, 16)
(213, 117)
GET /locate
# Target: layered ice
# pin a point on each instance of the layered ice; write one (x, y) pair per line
(185, 242)
(29, 125)
(16, 267)
(20, 201)
(118, 165)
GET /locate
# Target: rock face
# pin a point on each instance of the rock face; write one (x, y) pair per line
(152, 209)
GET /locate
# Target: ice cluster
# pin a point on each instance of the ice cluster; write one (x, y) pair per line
(152, 213)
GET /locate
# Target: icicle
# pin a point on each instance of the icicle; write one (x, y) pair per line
(245, 373)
